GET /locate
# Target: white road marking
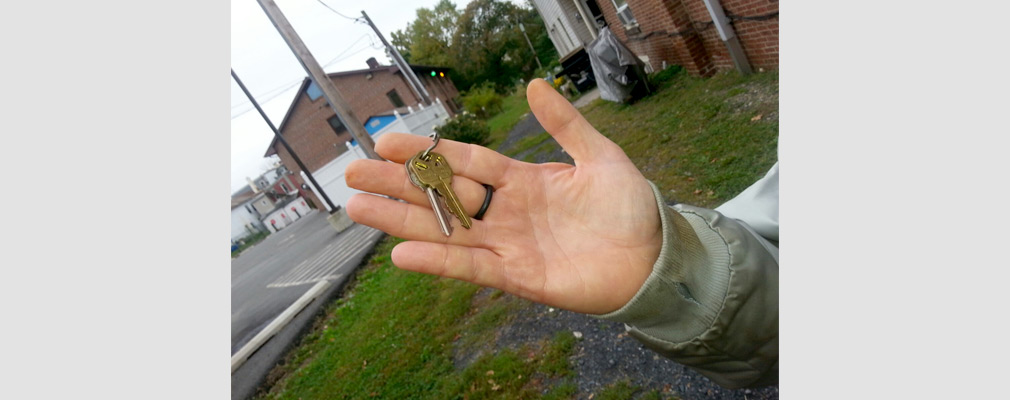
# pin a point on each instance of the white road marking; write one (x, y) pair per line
(323, 265)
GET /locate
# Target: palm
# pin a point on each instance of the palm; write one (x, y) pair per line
(583, 237)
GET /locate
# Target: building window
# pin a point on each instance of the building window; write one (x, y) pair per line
(313, 91)
(337, 126)
(624, 13)
(395, 98)
(285, 188)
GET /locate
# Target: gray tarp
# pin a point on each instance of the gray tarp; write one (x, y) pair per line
(616, 68)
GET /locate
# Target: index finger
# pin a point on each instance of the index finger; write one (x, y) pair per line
(472, 161)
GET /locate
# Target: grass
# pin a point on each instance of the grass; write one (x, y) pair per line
(514, 107)
(397, 334)
(620, 390)
(527, 143)
(623, 390)
(388, 337)
(701, 140)
(480, 327)
(393, 335)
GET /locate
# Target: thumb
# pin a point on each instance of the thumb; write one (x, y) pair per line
(583, 142)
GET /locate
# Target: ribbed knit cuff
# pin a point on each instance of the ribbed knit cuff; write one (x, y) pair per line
(689, 281)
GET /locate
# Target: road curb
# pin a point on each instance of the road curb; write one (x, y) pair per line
(277, 324)
(248, 378)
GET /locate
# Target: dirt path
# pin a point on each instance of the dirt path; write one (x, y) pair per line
(549, 150)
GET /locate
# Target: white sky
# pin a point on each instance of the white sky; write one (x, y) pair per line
(266, 65)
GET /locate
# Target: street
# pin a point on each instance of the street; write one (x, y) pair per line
(271, 275)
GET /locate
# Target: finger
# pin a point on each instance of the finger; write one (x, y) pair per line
(409, 221)
(475, 162)
(567, 126)
(390, 179)
(476, 265)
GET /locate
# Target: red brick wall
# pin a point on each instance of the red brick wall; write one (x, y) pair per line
(442, 88)
(308, 131)
(681, 32)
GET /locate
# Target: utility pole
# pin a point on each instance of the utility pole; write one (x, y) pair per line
(523, 28)
(412, 79)
(340, 106)
(728, 36)
(284, 142)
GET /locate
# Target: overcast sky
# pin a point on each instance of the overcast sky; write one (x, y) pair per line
(272, 73)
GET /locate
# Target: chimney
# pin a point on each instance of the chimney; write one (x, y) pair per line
(372, 64)
(252, 185)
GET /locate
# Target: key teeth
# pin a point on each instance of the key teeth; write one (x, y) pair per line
(423, 173)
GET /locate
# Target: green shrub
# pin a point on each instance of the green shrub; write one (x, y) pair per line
(466, 128)
(482, 100)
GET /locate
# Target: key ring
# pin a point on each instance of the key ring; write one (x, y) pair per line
(424, 155)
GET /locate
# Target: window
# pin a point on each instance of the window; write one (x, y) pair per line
(337, 126)
(395, 98)
(624, 13)
(313, 91)
(285, 188)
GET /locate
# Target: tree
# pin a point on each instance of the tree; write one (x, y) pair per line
(427, 40)
(489, 46)
(482, 43)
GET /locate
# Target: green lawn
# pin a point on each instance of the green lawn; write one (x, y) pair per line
(702, 141)
(393, 335)
(396, 334)
(514, 107)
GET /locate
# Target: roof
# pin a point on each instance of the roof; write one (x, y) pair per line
(305, 83)
(242, 196)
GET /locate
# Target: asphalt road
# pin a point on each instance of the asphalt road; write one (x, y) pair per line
(270, 276)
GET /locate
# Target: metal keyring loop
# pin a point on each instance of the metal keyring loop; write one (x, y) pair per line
(432, 147)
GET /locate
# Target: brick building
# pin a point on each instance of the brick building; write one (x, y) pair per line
(675, 31)
(317, 136)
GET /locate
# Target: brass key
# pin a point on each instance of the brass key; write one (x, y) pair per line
(434, 172)
(436, 203)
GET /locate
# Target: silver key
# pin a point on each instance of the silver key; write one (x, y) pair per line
(413, 166)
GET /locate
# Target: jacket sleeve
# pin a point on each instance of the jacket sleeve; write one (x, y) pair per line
(711, 301)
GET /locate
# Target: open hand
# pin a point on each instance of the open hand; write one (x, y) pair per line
(582, 238)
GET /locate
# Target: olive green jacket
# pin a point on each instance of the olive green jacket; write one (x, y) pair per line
(711, 302)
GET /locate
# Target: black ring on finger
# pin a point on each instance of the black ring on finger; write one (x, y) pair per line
(487, 201)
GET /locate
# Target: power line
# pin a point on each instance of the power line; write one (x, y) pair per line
(348, 56)
(283, 88)
(266, 100)
(338, 12)
(347, 49)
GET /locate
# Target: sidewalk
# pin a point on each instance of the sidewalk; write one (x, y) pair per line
(587, 98)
